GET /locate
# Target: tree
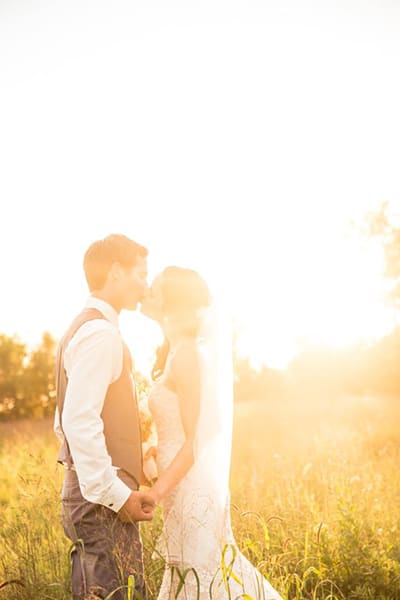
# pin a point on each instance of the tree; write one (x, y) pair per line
(379, 223)
(12, 357)
(27, 386)
(39, 382)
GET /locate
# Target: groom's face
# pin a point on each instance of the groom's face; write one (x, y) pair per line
(133, 284)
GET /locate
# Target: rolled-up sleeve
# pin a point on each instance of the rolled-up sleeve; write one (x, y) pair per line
(93, 360)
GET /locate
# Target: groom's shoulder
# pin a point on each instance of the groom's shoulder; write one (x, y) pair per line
(96, 331)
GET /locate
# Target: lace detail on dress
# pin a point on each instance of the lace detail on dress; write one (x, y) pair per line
(193, 537)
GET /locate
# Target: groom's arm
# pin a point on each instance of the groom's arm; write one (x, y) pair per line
(93, 360)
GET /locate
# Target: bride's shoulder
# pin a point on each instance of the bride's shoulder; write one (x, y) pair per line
(185, 356)
(185, 372)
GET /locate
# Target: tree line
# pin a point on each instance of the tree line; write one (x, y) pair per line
(27, 385)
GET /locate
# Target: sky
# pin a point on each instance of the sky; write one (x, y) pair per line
(241, 139)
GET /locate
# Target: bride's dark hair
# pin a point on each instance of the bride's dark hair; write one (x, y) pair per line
(184, 292)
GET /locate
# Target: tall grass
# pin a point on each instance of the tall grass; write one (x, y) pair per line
(315, 502)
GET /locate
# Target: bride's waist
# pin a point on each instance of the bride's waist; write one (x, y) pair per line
(165, 442)
(165, 456)
(167, 449)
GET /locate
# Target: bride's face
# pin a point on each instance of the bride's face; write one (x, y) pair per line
(152, 304)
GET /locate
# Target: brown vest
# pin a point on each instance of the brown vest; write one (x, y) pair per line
(120, 412)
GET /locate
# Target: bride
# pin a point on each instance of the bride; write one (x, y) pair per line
(191, 403)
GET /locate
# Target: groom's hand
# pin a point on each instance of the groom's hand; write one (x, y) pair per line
(138, 507)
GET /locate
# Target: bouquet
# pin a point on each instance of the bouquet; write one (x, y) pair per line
(149, 440)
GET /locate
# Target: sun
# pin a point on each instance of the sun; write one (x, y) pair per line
(334, 297)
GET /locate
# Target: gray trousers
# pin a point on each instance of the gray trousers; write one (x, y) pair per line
(105, 550)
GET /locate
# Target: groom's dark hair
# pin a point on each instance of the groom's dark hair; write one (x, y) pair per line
(103, 253)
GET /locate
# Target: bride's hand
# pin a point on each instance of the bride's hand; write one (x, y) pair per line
(154, 495)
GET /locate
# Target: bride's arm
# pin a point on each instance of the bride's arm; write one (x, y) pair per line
(185, 374)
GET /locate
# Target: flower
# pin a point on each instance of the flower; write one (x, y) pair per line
(146, 420)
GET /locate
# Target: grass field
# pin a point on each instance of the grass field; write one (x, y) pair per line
(315, 501)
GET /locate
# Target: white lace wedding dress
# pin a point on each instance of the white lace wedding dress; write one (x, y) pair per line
(197, 549)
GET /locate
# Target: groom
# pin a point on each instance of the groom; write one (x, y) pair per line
(97, 421)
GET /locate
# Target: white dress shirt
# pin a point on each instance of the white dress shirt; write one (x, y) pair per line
(92, 360)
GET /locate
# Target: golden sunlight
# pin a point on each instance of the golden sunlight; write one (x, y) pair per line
(334, 297)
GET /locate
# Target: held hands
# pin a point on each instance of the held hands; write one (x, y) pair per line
(138, 507)
(155, 494)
